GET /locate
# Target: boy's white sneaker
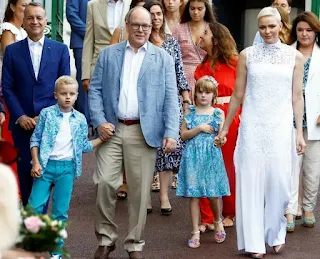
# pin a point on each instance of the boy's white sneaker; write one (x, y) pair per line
(56, 257)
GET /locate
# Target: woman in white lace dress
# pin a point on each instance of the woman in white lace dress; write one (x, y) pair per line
(269, 83)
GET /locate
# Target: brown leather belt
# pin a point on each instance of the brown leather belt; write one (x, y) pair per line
(129, 122)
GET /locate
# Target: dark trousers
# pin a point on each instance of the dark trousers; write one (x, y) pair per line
(82, 102)
(21, 139)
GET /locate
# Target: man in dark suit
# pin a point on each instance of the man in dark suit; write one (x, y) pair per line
(77, 15)
(30, 68)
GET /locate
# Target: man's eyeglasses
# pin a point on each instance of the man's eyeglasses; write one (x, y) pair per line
(137, 26)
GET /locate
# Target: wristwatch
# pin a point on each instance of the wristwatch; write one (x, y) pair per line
(187, 101)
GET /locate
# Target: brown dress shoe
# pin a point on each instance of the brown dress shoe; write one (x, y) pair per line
(103, 252)
(135, 255)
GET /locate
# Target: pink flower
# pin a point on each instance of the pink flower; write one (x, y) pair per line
(33, 224)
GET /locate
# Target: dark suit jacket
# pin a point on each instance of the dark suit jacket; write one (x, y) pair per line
(77, 15)
(23, 93)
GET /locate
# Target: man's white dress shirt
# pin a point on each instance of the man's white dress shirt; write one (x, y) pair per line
(35, 49)
(114, 14)
(128, 108)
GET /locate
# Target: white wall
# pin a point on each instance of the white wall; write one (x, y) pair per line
(308, 4)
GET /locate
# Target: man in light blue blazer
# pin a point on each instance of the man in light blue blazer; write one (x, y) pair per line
(133, 102)
(76, 11)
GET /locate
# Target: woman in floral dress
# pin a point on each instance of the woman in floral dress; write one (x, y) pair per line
(166, 164)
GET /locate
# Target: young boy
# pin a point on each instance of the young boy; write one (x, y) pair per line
(57, 144)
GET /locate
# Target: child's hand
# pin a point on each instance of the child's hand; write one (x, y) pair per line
(102, 140)
(221, 139)
(36, 170)
(206, 128)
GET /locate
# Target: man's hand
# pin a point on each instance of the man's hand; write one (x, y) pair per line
(26, 122)
(2, 118)
(106, 131)
(169, 145)
(85, 84)
(36, 170)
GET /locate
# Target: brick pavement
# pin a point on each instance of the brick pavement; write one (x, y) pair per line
(166, 237)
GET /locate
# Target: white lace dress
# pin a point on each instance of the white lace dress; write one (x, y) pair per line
(263, 155)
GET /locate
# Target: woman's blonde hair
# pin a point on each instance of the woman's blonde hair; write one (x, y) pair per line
(269, 11)
(9, 208)
(207, 84)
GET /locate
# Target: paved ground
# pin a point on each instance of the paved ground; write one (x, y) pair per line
(166, 237)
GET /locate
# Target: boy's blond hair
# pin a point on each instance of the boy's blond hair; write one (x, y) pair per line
(65, 80)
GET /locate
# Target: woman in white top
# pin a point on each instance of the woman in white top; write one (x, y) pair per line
(269, 84)
(11, 30)
(305, 38)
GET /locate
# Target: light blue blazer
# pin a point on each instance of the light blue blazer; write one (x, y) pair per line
(157, 92)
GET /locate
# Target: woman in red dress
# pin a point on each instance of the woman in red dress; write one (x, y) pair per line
(220, 63)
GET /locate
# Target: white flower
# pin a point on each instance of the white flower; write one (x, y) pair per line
(63, 233)
(54, 223)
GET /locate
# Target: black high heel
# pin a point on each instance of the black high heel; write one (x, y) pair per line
(166, 211)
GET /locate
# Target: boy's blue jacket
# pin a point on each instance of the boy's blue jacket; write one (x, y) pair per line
(46, 131)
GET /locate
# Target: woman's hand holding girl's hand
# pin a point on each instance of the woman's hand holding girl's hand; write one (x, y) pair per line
(206, 128)
(220, 139)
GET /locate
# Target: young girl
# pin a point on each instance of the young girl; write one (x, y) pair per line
(202, 172)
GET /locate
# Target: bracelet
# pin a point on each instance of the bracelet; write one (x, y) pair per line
(187, 101)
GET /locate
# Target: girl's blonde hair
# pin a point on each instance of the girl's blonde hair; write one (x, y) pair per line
(207, 84)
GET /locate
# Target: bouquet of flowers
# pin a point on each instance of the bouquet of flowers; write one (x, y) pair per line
(39, 233)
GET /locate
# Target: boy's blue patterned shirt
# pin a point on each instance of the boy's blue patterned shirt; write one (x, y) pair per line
(47, 129)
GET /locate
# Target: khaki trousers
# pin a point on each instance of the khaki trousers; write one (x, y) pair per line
(307, 185)
(127, 147)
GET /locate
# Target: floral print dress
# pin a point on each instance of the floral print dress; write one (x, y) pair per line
(171, 162)
(202, 172)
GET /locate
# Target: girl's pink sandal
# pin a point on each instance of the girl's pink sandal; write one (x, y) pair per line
(194, 242)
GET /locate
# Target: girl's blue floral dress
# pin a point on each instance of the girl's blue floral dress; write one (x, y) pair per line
(202, 172)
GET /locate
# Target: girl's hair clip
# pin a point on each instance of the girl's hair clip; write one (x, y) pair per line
(211, 79)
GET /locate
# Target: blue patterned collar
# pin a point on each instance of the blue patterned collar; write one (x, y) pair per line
(60, 113)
